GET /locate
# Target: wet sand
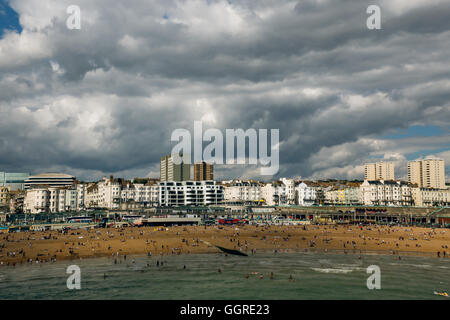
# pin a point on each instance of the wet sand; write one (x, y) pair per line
(48, 246)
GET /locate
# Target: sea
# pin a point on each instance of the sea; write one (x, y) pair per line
(196, 276)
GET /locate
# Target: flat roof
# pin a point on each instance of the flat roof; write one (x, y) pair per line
(51, 175)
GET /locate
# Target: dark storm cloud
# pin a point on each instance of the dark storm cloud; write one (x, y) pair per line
(106, 98)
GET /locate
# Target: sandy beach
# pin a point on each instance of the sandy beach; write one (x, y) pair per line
(48, 246)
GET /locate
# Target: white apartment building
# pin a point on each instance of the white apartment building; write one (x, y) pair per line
(110, 194)
(342, 195)
(44, 200)
(351, 196)
(273, 193)
(305, 195)
(104, 194)
(385, 193)
(62, 200)
(242, 191)
(36, 201)
(147, 194)
(4, 196)
(190, 193)
(290, 190)
(107, 193)
(278, 193)
(81, 196)
(429, 197)
(331, 196)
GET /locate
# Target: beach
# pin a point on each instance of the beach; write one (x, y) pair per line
(51, 246)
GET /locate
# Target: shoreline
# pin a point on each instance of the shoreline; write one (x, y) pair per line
(46, 246)
(131, 256)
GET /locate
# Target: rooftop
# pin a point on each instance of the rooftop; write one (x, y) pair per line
(52, 175)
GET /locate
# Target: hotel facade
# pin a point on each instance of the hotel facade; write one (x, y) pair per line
(190, 193)
(385, 193)
(45, 200)
(242, 191)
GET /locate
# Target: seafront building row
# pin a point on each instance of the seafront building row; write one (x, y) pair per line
(118, 194)
(57, 192)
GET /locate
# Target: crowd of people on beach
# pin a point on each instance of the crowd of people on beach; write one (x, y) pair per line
(48, 246)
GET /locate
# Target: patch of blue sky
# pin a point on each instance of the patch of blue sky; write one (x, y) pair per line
(415, 131)
(9, 19)
(425, 153)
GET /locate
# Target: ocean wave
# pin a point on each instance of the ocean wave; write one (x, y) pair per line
(422, 265)
(331, 270)
(426, 266)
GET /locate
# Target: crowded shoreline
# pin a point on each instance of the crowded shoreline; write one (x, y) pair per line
(118, 243)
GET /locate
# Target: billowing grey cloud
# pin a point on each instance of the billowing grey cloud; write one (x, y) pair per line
(106, 98)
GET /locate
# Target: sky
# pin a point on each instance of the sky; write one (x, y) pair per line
(106, 98)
